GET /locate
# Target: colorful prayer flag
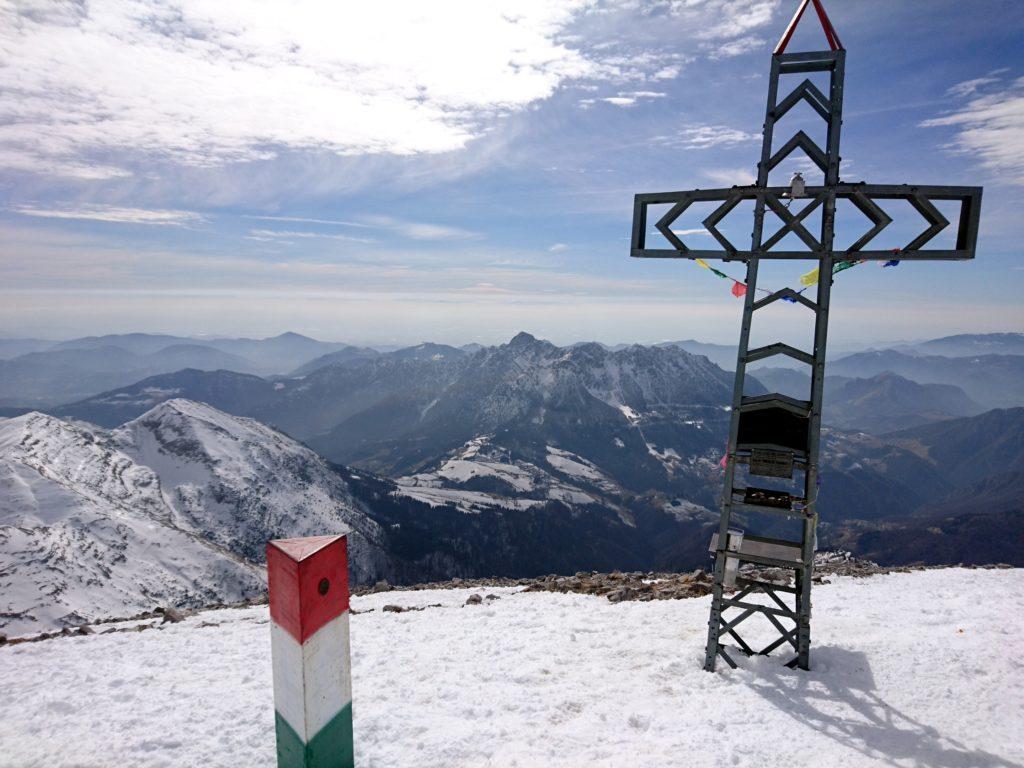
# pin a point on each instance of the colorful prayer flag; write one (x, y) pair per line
(738, 289)
(810, 278)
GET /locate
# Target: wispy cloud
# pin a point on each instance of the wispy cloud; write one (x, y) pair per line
(736, 47)
(410, 230)
(728, 177)
(114, 214)
(968, 87)
(289, 234)
(990, 127)
(558, 247)
(305, 220)
(623, 98)
(418, 230)
(723, 19)
(707, 136)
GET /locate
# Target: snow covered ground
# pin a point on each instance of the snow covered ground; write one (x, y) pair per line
(920, 669)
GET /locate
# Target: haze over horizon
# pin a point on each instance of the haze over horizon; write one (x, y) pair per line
(243, 171)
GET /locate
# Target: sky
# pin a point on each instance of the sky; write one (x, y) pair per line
(394, 172)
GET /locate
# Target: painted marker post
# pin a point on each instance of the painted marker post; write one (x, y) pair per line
(308, 580)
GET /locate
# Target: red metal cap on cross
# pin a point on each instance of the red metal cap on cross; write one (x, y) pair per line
(826, 25)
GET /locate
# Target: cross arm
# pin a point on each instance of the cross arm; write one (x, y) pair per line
(862, 196)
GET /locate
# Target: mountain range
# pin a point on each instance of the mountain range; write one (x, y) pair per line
(175, 507)
(47, 374)
(517, 459)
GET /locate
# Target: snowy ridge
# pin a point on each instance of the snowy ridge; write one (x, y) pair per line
(173, 508)
(86, 532)
(238, 482)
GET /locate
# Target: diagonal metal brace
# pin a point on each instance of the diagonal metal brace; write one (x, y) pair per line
(792, 223)
(809, 92)
(711, 222)
(878, 217)
(938, 222)
(804, 142)
(665, 223)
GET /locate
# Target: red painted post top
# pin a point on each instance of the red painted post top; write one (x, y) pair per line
(308, 581)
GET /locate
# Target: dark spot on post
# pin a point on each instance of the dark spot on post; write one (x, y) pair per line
(323, 586)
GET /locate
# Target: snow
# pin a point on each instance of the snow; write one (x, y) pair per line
(172, 508)
(573, 465)
(629, 413)
(461, 470)
(466, 501)
(683, 509)
(916, 670)
(478, 458)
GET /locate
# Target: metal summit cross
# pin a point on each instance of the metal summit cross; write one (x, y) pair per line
(776, 436)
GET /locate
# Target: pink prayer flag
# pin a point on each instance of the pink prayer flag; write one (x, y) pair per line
(738, 289)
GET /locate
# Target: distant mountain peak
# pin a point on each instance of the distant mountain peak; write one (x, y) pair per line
(293, 336)
(522, 339)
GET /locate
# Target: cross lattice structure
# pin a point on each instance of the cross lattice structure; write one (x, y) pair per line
(774, 439)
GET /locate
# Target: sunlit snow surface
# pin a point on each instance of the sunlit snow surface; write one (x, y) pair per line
(920, 669)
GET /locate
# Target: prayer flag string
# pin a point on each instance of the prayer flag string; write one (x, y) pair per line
(807, 280)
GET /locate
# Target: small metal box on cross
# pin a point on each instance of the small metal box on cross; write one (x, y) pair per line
(775, 435)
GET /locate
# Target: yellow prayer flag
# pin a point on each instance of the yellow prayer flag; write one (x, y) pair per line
(702, 263)
(811, 278)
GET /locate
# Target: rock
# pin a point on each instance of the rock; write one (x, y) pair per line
(622, 593)
(3, 639)
(492, 597)
(171, 615)
(381, 586)
(474, 600)
(393, 609)
(85, 629)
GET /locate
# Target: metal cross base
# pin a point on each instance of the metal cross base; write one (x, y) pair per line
(775, 436)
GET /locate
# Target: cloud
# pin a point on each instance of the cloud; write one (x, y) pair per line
(707, 136)
(288, 234)
(728, 177)
(721, 19)
(627, 98)
(968, 87)
(410, 230)
(204, 83)
(485, 288)
(558, 247)
(991, 128)
(55, 166)
(305, 220)
(736, 47)
(418, 230)
(97, 91)
(114, 215)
